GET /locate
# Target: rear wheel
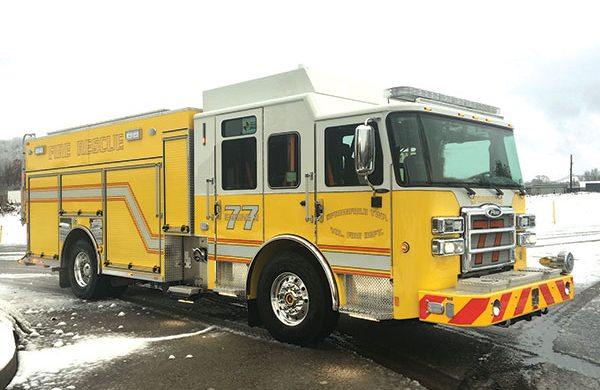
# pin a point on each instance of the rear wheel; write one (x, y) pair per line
(294, 300)
(83, 270)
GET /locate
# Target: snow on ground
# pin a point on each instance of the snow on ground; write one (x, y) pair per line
(84, 355)
(71, 337)
(577, 212)
(568, 222)
(7, 340)
(13, 233)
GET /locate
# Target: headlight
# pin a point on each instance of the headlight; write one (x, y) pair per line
(496, 308)
(525, 221)
(441, 247)
(526, 239)
(447, 225)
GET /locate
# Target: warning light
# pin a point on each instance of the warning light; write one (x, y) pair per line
(405, 247)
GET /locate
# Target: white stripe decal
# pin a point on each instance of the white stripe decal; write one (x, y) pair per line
(354, 260)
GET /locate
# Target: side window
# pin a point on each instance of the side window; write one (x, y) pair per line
(284, 162)
(238, 162)
(238, 126)
(407, 149)
(339, 158)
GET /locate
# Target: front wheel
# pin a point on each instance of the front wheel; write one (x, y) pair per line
(294, 300)
(83, 270)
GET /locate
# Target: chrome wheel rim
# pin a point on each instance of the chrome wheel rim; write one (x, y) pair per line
(289, 299)
(82, 267)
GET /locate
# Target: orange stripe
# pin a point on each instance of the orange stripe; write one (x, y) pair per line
(357, 272)
(522, 301)
(561, 289)
(480, 244)
(480, 224)
(547, 294)
(234, 259)
(497, 238)
(470, 312)
(238, 241)
(355, 249)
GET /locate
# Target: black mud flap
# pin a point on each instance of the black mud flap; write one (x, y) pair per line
(253, 316)
(63, 277)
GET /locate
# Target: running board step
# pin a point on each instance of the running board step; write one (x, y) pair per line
(184, 292)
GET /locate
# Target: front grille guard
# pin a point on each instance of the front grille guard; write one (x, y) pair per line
(467, 259)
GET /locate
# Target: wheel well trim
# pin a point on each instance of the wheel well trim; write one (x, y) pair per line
(90, 237)
(335, 301)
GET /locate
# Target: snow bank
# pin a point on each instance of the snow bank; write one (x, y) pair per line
(565, 212)
(568, 222)
(7, 343)
(13, 233)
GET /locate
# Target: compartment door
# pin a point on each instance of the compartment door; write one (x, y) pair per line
(133, 219)
(177, 179)
(42, 219)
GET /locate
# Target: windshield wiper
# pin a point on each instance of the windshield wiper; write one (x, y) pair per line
(470, 191)
(499, 192)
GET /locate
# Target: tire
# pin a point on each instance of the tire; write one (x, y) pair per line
(302, 315)
(83, 271)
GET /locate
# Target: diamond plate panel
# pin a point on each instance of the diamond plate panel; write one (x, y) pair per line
(368, 295)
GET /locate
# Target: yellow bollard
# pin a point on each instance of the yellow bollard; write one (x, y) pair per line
(553, 212)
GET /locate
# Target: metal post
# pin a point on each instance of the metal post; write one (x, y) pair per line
(571, 175)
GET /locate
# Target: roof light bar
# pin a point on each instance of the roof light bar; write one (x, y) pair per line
(412, 94)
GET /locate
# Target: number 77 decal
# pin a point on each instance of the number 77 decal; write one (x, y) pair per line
(235, 212)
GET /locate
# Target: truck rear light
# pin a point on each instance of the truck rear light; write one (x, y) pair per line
(447, 247)
(447, 225)
(568, 288)
(526, 239)
(435, 308)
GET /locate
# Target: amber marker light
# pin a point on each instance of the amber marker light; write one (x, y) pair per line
(404, 247)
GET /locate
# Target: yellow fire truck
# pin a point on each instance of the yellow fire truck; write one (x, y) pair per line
(305, 197)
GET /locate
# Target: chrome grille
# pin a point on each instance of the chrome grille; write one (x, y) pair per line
(490, 241)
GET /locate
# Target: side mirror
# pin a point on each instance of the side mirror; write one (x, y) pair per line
(364, 149)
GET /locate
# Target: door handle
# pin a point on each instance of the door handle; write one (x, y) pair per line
(208, 184)
(305, 202)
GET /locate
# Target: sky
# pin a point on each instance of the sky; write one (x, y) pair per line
(68, 63)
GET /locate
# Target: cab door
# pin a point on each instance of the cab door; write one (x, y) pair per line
(354, 226)
(239, 197)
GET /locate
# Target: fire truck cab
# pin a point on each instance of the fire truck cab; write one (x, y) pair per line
(305, 197)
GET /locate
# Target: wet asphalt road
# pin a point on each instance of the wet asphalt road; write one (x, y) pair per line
(559, 350)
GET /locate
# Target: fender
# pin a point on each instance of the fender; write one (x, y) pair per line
(335, 301)
(67, 242)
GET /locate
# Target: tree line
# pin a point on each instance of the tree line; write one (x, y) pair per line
(10, 164)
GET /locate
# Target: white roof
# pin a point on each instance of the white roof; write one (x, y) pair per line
(301, 81)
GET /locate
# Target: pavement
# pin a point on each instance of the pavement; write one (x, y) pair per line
(146, 340)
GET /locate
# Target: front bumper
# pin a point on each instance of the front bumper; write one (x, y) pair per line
(517, 293)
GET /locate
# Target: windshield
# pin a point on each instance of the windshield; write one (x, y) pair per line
(430, 149)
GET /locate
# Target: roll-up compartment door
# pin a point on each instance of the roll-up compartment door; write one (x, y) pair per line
(177, 185)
